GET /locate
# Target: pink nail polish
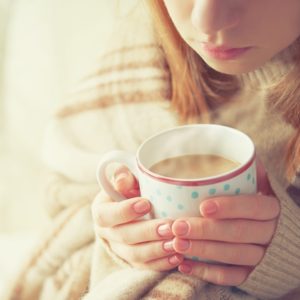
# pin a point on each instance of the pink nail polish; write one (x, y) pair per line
(168, 246)
(141, 206)
(164, 230)
(181, 228)
(174, 260)
(185, 268)
(120, 177)
(183, 245)
(209, 208)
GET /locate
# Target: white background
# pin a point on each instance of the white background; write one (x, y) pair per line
(46, 46)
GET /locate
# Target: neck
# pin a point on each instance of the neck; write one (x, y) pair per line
(272, 71)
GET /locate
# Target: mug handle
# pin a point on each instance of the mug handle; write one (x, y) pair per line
(118, 156)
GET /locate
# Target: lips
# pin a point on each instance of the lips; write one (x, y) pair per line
(223, 52)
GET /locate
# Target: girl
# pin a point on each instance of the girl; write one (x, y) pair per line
(229, 62)
(255, 43)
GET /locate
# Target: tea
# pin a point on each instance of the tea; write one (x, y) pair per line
(193, 166)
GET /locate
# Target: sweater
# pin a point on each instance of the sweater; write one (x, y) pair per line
(122, 102)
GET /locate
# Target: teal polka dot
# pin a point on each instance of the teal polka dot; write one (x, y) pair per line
(180, 206)
(253, 180)
(179, 187)
(169, 198)
(195, 258)
(248, 176)
(163, 214)
(158, 192)
(237, 191)
(212, 191)
(226, 187)
(195, 195)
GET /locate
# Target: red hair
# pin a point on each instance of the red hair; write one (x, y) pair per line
(194, 84)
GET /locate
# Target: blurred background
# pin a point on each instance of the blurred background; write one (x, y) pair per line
(46, 46)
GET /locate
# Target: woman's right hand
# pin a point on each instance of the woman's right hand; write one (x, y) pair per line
(144, 244)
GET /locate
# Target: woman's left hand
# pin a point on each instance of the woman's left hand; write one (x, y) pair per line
(233, 230)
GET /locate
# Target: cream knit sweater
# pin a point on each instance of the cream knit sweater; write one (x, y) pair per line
(123, 102)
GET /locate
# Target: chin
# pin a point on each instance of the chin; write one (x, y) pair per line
(230, 69)
(234, 67)
(248, 62)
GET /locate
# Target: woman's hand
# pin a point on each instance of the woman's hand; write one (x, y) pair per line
(232, 230)
(145, 244)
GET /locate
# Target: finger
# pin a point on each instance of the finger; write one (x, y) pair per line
(143, 253)
(233, 231)
(148, 256)
(253, 207)
(216, 274)
(125, 183)
(165, 264)
(263, 183)
(109, 214)
(137, 231)
(228, 253)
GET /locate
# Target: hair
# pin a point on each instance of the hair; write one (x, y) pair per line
(196, 88)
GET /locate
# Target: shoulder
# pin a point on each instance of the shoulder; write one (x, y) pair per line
(132, 65)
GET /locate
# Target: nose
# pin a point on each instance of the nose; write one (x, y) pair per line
(211, 16)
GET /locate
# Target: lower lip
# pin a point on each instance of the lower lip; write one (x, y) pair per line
(225, 54)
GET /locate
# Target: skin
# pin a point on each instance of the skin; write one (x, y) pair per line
(241, 228)
(237, 233)
(268, 26)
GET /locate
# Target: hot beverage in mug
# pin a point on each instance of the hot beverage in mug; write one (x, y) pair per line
(180, 167)
(193, 166)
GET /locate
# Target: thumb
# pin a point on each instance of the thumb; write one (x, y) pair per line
(263, 183)
(125, 182)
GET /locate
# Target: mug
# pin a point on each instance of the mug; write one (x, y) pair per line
(173, 197)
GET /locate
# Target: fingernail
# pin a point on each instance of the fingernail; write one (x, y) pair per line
(164, 230)
(185, 268)
(142, 206)
(183, 245)
(134, 193)
(174, 260)
(120, 177)
(168, 246)
(209, 208)
(181, 228)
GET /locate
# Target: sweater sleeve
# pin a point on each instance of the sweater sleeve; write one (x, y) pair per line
(279, 271)
(61, 193)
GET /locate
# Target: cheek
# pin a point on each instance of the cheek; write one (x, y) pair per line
(275, 21)
(293, 23)
(180, 12)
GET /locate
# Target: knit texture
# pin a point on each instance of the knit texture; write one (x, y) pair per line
(118, 106)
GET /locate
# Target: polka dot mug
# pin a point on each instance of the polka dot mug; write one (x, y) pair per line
(178, 197)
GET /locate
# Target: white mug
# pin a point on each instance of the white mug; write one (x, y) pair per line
(180, 197)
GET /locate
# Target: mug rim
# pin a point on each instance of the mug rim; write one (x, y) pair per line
(197, 181)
